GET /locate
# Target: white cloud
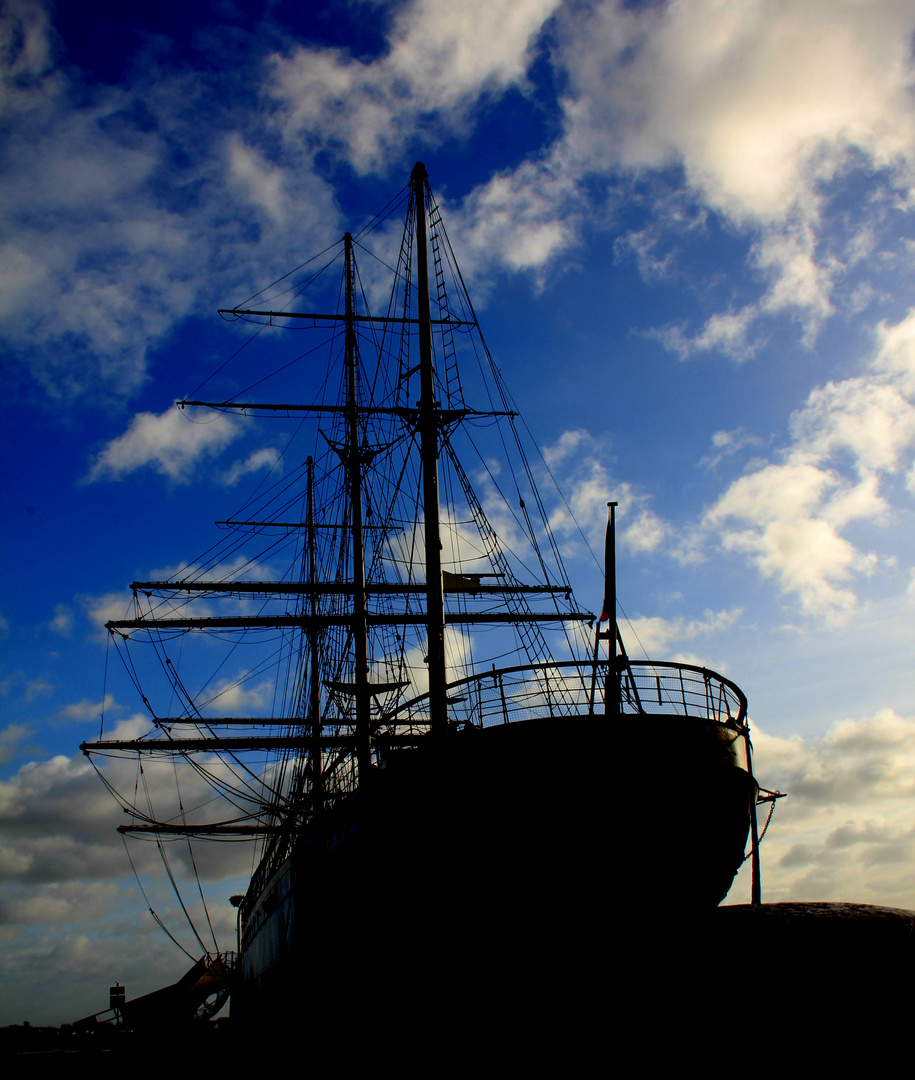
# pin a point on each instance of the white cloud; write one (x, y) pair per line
(265, 458)
(461, 48)
(441, 57)
(896, 352)
(169, 442)
(567, 445)
(66, 890)
(240, 566)
(105, 608)
(787, 536)
(647, 531)
(258, 181)
(763, 106)
(579, 463)
(60, 822)
(39, 687)
(123, 212)
(760, 102)
(59, 903)
(441, 60)
(724, 332)
(62, 623)
(24, 44)
(12, 738)
(653, 635)
(798, 282)
(869, 420)
(88, 710)
(59, 799)
(727, 443)
(727, 332)
(789, 517)
(85, 234)
(522, 219)
(655, 243)
(236, 697)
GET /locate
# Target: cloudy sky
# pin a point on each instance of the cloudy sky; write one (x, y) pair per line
(689, 229)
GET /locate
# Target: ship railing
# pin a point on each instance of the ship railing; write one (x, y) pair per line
(583, 687)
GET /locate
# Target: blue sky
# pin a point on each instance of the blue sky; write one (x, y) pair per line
(689, 231)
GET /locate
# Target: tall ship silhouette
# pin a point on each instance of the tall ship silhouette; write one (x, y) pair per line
(456, 760)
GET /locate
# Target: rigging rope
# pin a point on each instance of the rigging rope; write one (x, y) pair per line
(149, 906)
(190, 851)
(166, 864)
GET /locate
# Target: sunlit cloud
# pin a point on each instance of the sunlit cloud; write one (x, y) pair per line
(759, 106)
(653, 636)
(847, 828)
(789, 516)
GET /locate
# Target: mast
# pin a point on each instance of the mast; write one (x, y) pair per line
(353, 457)
(428, 429)
(314, 688)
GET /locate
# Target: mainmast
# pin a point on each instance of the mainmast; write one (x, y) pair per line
(428, 429)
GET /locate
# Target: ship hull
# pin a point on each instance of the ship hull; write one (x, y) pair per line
(464, 856)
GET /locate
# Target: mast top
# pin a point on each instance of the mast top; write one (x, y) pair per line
(419, 172)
